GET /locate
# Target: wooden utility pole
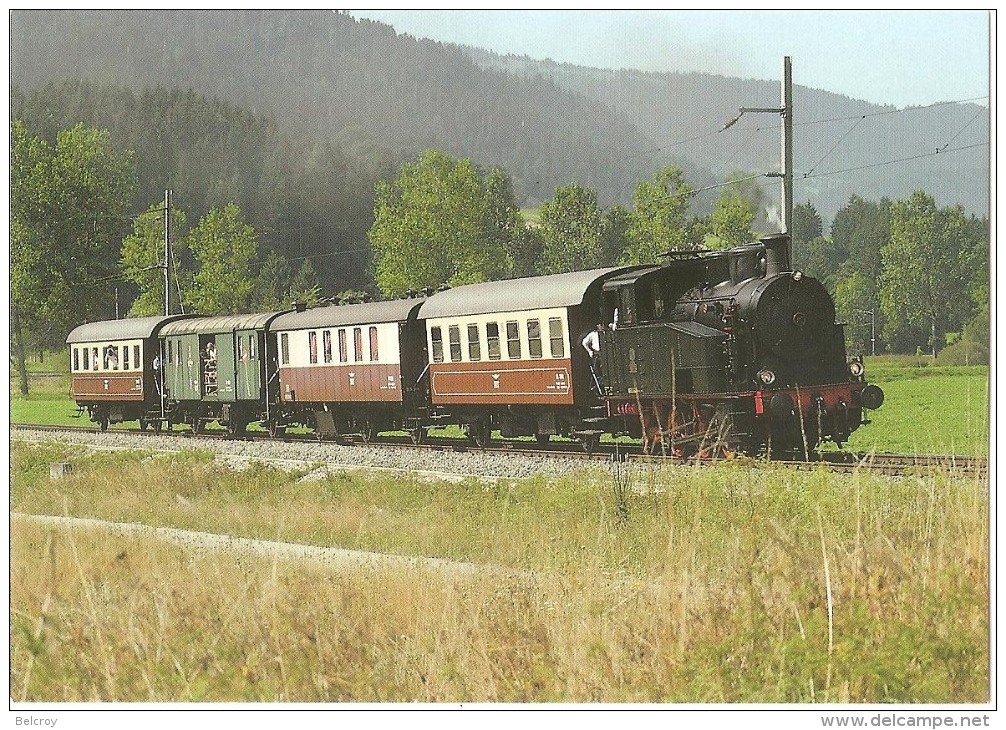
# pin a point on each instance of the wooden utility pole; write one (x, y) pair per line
(167, 253)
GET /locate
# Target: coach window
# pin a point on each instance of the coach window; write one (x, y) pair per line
(493, 340)
(534, 338)
(474, 346)
(136, 357)
(437, 342)
(241, 349)
(76, 358)
(86, 361)
(326, 341)
(555, 338)
(111, 357)
(171, 351)
(312, 347)
(373, 344)
(125, 357)
(343, 350)
(512, 340)
(284, 349)
(455, 335)
(357, 344)
(94, 358)
(251, 347)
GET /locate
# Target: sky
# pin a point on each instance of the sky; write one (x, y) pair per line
(902, 58)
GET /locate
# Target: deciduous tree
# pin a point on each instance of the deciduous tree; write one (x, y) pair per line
(142, 261)
(572, 228)
(437, 223)
(658, 218)
(225, 248)
(68, 210)
(928, 269)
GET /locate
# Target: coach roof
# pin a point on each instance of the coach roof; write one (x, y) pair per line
(131, 328)
(395, 310)
(513, 295)
(221, 324)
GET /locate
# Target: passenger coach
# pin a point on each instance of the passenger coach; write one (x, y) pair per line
(222, 369)
(507, 355)
(112, 370)
(354, 368)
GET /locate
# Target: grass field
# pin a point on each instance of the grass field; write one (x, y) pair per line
(938, 410)
(736, 583)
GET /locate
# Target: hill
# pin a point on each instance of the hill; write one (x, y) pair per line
(841, 145)
(319, 73)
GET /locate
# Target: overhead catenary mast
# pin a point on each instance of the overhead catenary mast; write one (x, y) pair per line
(786, 163)
(787, 146)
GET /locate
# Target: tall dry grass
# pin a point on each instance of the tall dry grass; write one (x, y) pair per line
(732, 584)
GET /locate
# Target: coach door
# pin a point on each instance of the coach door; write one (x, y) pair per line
(226, 391)
(182, 372)
(248, 360)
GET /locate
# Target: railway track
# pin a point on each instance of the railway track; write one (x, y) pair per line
(882, 463)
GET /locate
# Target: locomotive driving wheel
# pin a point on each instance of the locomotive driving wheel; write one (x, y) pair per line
(692, 431)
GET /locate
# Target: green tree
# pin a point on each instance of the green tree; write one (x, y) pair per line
(304, 287)
(928, 269)
(142, 260)
(572, 228)
(615, 237)
(730, 220)
(658, 218)
(858, 232)
(272, 283)
(503, 227)
(68, 207)
(225, 248)
(435, 224)
(822, 258)
(854, 305)
(807, 224)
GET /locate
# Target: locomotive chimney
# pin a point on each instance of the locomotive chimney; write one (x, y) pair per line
(776, 253)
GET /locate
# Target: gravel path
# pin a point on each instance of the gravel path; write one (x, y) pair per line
(205, 542)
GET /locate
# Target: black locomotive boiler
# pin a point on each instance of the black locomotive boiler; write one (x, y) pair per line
(718, 352)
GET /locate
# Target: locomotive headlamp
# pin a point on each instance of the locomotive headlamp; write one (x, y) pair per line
(766, 376)
(856, 368)
(797, 275)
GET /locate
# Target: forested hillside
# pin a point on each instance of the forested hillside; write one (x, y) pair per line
(318, 73)
(842, 146)
(329, 155)
(303, 197)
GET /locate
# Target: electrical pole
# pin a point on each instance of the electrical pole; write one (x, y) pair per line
(167, 253)
(787, 147)
(786, 173)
